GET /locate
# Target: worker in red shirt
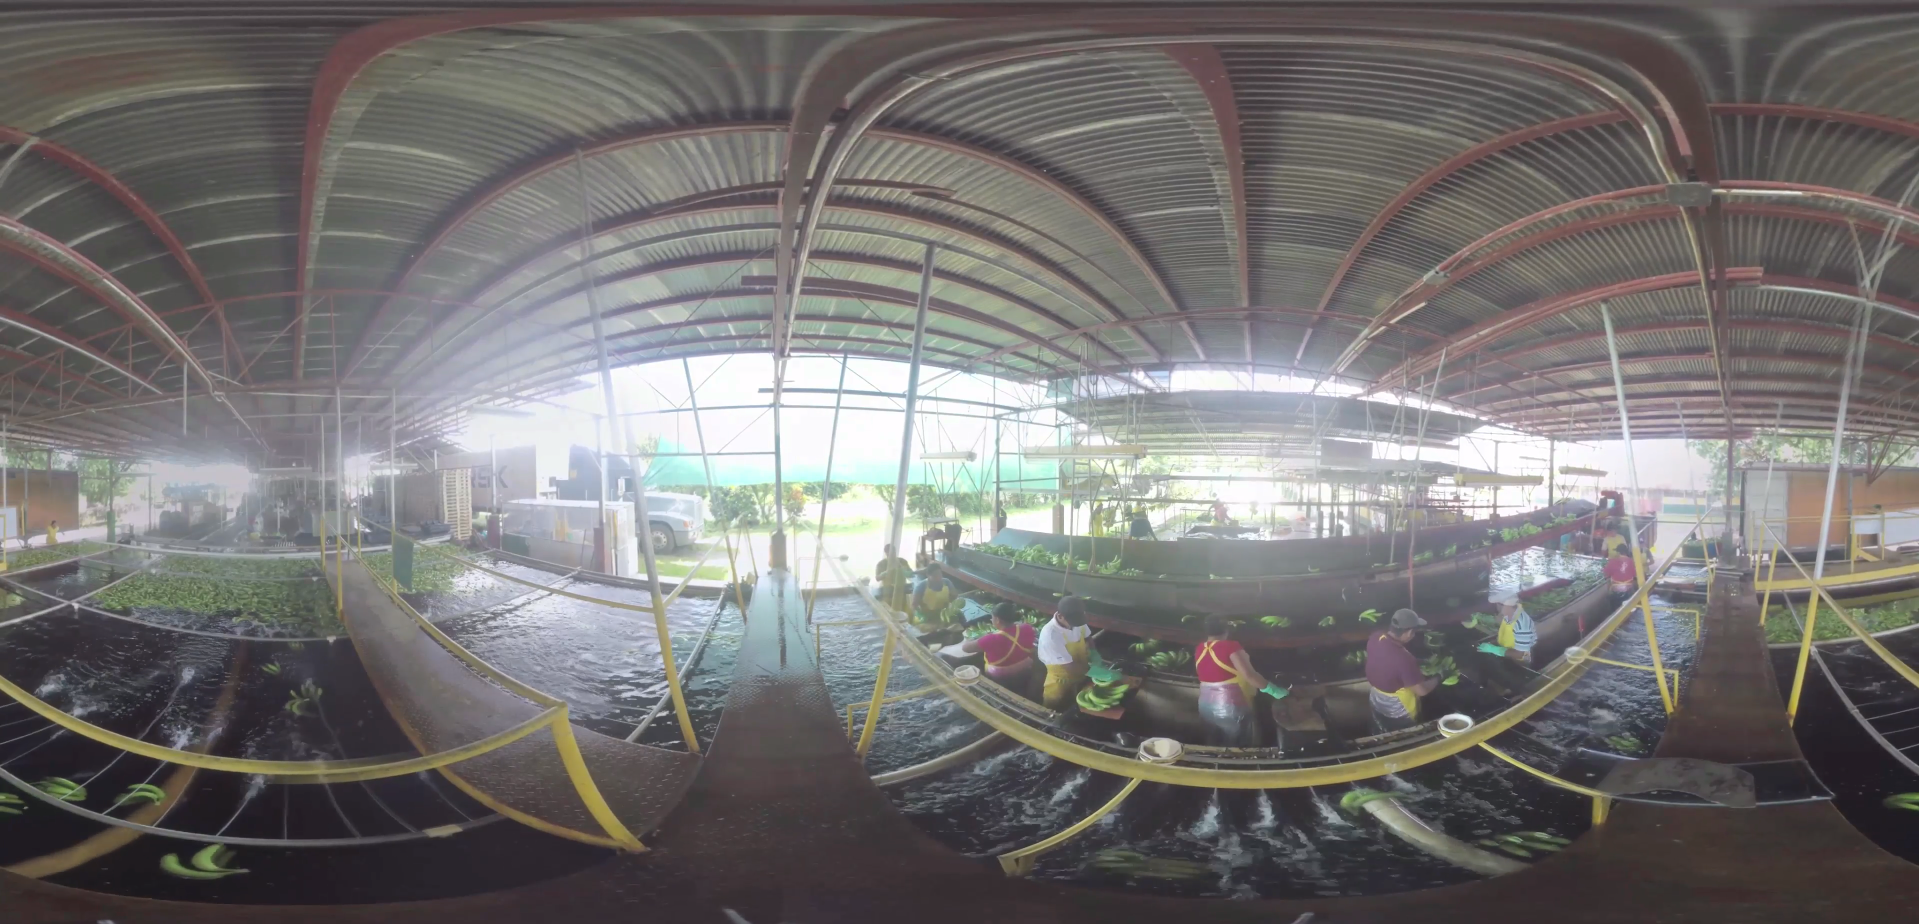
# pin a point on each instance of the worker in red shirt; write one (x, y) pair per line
(1623, 575)
(1008, 651)
(1227, 687)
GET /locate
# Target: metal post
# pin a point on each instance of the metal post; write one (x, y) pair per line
(1825, 513)
(776, 543)
(1552, 472)
(339, 498)
(6, 476)
(599, 460)
(899, 485)
(392, 468)
(183, 400)
(726, 527)
(826, 487)
(1632, 501)
(912, 399)
(642, 529)
(495, 525)
(1419, 468)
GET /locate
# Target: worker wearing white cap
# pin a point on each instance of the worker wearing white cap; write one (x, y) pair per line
(1516, 634)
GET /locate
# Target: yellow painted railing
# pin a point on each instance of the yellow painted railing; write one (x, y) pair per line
(658, 612)
(942, 677)
(616, 831)
(897, 697)
(1806, 637)
(1020, 862)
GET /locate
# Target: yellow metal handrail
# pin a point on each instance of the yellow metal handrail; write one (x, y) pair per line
(281, 771)
(1865, 636)
(897, 697)
(941, 676)
(1020, 862)
(570, 756)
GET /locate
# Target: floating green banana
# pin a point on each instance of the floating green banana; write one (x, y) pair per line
(213, 858)
(1360, 796)
(142, 792)
(1276, 622)
(1908, 801)
(62, 788)
(1369, 616)
(271, 668)
(1516, 851)
(11, 804)
(208, 864)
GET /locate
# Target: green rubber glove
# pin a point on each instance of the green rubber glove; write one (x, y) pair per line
(1492, 649)
(1275, 691)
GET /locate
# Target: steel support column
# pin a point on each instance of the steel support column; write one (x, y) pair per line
(642, 529)
(1855, 347)
(896, 532)
(1632, 500)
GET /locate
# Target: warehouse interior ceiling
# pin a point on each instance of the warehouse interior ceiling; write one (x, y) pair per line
(417, 206)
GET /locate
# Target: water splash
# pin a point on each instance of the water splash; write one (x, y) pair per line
(1207, 827)
(1071, 788)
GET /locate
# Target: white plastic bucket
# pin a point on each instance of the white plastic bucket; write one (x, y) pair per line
(1160, 750)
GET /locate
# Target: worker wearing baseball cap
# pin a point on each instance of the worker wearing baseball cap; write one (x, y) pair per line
(1394, 676)
(1515, 636)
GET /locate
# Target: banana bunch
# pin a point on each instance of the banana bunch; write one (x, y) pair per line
(11, 804)
(62, 788)
(209, 863)
(141, 792)
(1138, 865)
(1170, 660)
(1144, 647)
(1099, 697)
(1275, 622)
(1524, 843)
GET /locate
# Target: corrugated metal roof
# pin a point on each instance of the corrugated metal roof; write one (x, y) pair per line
(1085, 204)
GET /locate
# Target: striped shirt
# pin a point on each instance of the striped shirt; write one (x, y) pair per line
(1524, 635)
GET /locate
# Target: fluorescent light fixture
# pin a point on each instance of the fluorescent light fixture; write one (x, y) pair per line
(958, 455)
(1584, 472)
(1491, 480)
(287, 470)
(1126, 451)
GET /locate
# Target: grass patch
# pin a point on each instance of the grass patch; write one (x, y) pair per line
(706, 572)
(1780, 627)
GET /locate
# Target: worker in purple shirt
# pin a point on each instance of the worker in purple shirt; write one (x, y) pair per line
(1393, 675)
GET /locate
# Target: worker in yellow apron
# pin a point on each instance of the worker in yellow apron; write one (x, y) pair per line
(1008, 651)
(53, 532)
(1393, 676)
(1228, 685)
(894, 578)
(933, 596)
(1065, 647)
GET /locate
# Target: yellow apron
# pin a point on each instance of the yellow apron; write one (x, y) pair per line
(1245, 685)
(53, 536)
(1505, 639)
(1014, 638)
(932, 602)
(1410, 699)
(1062, 680)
